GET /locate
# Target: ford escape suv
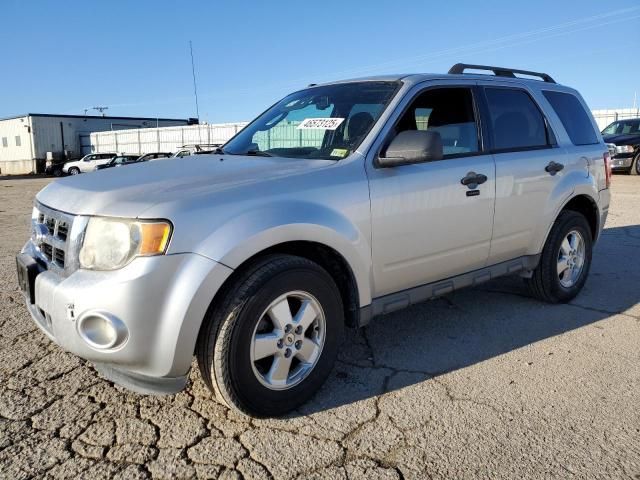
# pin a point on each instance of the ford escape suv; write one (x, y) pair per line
(342, 202)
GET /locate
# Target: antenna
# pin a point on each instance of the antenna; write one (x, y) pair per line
(195, 87)
(100, 109)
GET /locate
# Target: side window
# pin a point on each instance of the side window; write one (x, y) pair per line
(516, 122)
(90, 158)
(573, 117)
(448, 111)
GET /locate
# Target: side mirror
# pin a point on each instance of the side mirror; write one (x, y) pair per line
(411, 146)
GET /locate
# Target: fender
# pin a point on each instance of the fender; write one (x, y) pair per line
(571, 186)
(258, 229)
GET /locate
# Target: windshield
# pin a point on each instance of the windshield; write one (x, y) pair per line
(326, 122)
(623, 127)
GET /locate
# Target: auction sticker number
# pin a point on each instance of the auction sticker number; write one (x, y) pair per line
(320, 123)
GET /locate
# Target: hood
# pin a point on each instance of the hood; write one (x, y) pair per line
(130, 190)
(622, 139)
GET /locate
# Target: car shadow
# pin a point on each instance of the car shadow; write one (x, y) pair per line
(474, 325)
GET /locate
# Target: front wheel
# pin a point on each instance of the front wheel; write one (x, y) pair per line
(635, 166)
(272, 340)
(74, 171)
(565, 261)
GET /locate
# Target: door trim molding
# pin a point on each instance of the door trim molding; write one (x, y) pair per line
(403, 299)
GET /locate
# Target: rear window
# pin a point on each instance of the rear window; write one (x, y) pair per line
(573, 117)
(516, 122)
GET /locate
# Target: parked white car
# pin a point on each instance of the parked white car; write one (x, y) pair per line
(88, 163)
(199, 149)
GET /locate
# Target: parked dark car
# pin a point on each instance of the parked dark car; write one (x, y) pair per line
(623, 139)
(154, 156)
(54, 167)
(119, 161)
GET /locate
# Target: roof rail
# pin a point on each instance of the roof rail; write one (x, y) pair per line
(499, 71)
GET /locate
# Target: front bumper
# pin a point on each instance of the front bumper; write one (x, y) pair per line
(161, 300)
(622, 161)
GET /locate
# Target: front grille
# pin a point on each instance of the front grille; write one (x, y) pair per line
(63, 230)
(52, 242)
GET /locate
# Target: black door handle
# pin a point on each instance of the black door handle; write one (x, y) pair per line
(473, 179)
(553, 167)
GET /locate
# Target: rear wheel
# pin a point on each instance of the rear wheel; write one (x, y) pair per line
(565, 261)
(74, 171)
(272, 340)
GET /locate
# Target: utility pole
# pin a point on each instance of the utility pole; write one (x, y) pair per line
(195, 87)
(101, 109)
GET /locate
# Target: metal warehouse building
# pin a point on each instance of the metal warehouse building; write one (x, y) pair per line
(26, 139)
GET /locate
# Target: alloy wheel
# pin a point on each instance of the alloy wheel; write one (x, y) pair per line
(571, 258)
(287, 340)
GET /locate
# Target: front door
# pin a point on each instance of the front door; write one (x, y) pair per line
(427, 225)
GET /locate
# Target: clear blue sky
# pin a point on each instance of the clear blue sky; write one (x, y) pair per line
(133, 56)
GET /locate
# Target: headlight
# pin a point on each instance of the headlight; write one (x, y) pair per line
(624, 149)
(110, 244)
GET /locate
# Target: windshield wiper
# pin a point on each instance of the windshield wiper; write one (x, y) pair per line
(258, 153)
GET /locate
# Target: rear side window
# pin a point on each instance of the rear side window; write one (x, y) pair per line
(516, 122)
(573, 117)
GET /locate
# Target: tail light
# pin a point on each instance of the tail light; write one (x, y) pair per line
(607, 168)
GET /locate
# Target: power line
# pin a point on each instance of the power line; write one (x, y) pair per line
(499, 43)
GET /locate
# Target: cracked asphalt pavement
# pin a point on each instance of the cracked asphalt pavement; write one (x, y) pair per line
(484, 383)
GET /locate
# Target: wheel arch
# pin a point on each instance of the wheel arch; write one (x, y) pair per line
(587, 206)
(327, 257)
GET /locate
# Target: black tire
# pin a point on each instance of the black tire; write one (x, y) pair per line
(545, 283)
(74, 171)
(635, 166)
(224, 343)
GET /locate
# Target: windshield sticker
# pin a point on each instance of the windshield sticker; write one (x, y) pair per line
(320, 123)
(339, 152)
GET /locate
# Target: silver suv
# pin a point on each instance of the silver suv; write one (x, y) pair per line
(340, 203)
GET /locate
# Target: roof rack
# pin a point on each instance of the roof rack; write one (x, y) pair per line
(499, 71)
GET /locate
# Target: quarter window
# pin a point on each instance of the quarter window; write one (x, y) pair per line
(448, 111)
(516, 122)
(573, 117)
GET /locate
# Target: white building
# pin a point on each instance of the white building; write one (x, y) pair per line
(26, 139)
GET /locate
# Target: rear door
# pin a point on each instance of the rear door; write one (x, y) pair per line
(88, 163)
(530, 165)
(427, 225)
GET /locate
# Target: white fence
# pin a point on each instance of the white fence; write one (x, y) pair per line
(170, 139)
(164, 139)
(606, 116)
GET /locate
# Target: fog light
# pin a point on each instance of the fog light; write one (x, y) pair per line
(102, 330)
